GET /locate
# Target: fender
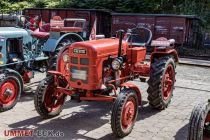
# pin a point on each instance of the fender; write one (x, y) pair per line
(16, 73)
(52, 43)
(135, 88)
(171, 52)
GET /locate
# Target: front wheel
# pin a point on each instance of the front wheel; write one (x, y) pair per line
(124, 113)
(161, 82)
(199, 125)
(11, 87)
(48, 102)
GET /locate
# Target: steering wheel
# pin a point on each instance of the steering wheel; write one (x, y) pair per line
(139, 35)
(25, 21)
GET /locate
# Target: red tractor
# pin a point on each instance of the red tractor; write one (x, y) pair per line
(99, 70)
(199, 126)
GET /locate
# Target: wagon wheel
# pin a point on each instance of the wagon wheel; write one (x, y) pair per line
(124, 113)
(10, 90)
(161, 82)
(48, 102)
(199, 125)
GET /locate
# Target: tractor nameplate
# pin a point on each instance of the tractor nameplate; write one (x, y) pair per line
(79, 51)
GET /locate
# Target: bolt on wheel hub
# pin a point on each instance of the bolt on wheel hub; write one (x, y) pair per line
(128, 114)
(8, 92)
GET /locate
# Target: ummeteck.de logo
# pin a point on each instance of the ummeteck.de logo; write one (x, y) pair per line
(32, 133)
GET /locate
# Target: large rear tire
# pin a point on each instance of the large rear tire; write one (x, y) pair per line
(161, 82)
(124, 113)
(11, 87)
(199, 125)
(48, 103)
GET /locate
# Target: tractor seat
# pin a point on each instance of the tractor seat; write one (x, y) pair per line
(42, 32)
(66, 29)
(163, 43)
(40, 35)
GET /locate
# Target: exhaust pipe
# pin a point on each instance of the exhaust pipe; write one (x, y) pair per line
(120, 42)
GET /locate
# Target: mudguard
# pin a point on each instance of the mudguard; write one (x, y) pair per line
(172, 52)
(52, 42)
(7, 70)
(135, 88)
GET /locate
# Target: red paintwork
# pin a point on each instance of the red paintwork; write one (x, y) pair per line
(128, 113)
(136, 54)
(143, 69)
(40, 35)
(14, 89)
(207, 118)
(104, 99)
(55, 73)
(53, 99)
(158, 53)
(27, 76)
(63, 67)
(97, 52)
(135, 88)
(167, 82)
(100, 48)
(42, 32)
(45, 28)
(32, 24)
(66, 29)
(57, 18)
(65, 91)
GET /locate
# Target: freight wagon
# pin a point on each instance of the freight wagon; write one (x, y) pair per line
(184, 29)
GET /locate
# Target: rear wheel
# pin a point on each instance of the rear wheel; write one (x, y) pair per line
(124, 113)
(161, 82)
(48, 102)
(11, 87)
(199, 127)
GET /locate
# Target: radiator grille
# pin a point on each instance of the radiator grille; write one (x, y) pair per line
(74, 60)
(84, 61)
(76, 68)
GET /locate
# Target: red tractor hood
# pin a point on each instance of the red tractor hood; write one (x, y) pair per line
(99, 48)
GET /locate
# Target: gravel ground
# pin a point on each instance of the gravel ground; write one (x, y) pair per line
(91, 120)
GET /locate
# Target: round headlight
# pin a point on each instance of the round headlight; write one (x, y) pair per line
(65, 58)
(116, 64)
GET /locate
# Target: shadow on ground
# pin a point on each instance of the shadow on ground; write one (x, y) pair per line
(182, 133)
(79, 124)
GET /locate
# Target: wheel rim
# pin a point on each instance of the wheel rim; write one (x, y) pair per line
(128, 113)
(168, 82)
(53, 99)
(206, 128)
(9, 92)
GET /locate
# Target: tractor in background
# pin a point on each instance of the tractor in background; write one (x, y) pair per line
(20, 54)
(199, 124)
(32, 48)
(99, 70)
(15, 64)
(63, 33)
